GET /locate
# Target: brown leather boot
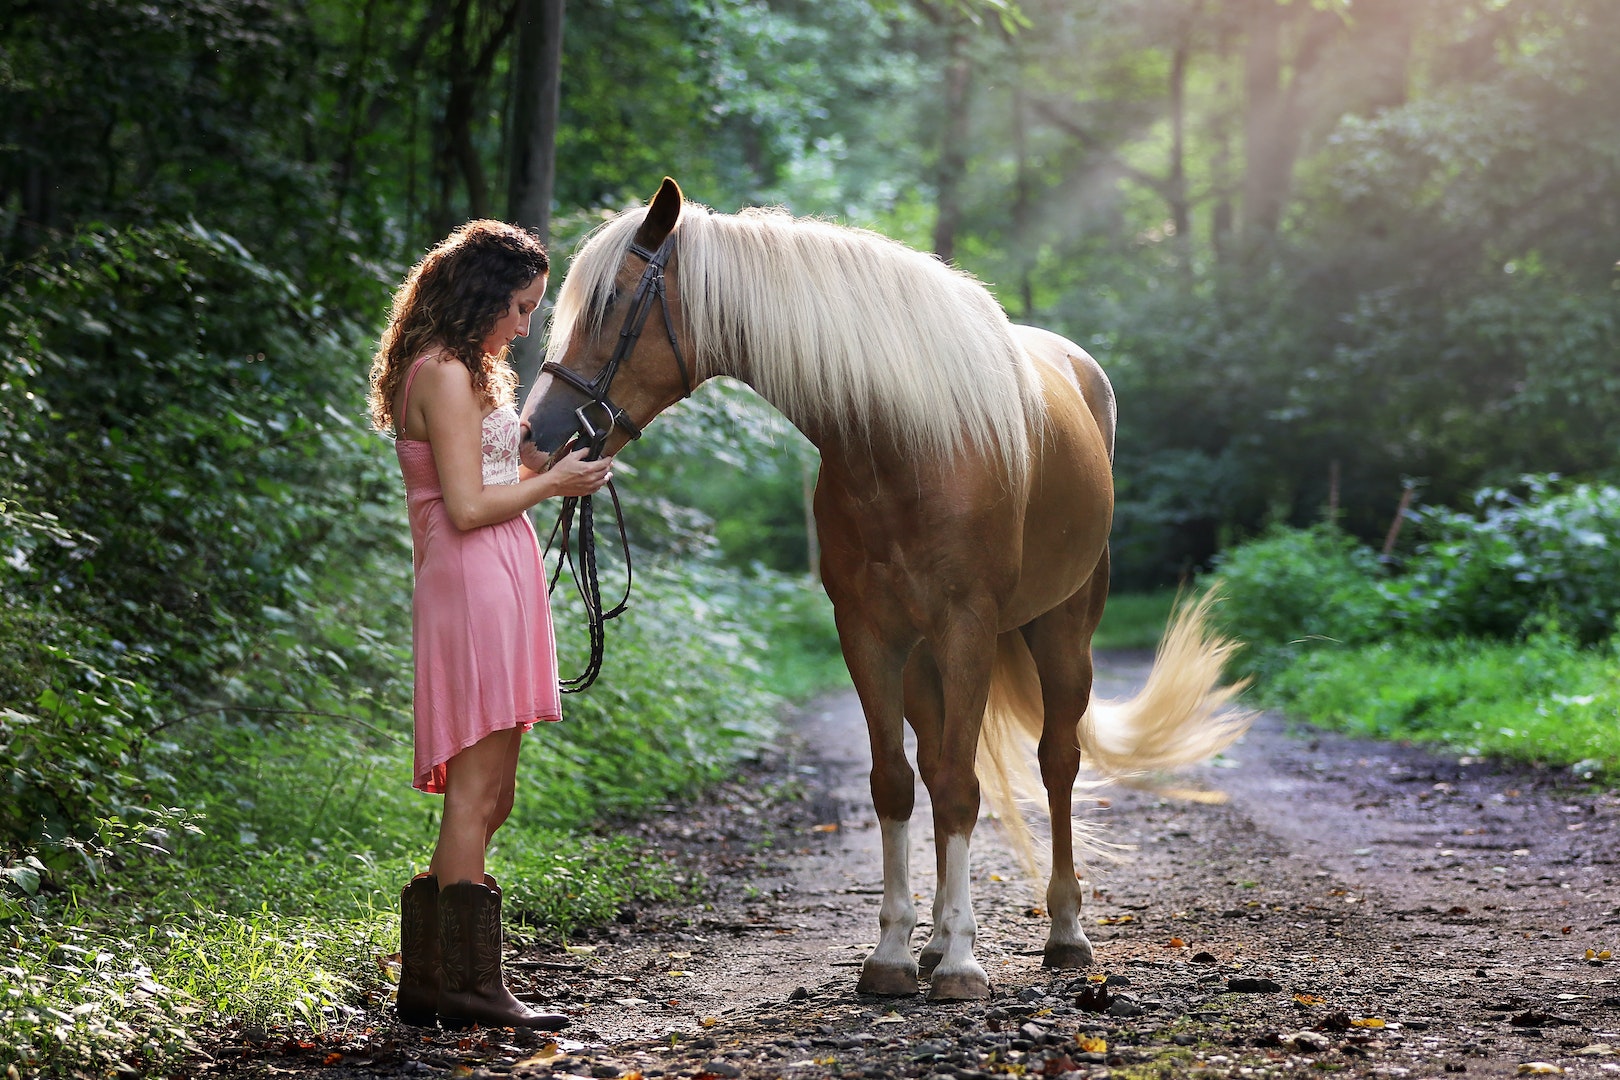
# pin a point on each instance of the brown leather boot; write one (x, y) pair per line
(419, 951)
(473, 988)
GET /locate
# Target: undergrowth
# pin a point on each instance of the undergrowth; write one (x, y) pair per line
(1543, 700)
(1493, 634)
(205, 671)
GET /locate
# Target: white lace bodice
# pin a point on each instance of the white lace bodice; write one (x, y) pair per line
(502, 429)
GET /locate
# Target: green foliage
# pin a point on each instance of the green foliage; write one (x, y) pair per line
(1134, 621)
(274, 894)
(1293, 592)
(1541, 700)
(1535, 548)
(212, 577)
(1496, 637)
(186, 459)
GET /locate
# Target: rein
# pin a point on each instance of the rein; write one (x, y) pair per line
(586, 579)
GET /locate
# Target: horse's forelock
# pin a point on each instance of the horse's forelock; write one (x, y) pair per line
(588, 288)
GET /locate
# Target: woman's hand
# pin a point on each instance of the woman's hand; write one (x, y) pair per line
(572, 475)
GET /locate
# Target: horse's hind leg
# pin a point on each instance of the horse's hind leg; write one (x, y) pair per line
(925, 710)
(1060, 643)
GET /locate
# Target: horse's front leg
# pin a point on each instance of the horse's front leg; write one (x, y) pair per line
(964, 669)
(875, 669)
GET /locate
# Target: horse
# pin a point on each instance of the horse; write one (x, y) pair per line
(963, 509)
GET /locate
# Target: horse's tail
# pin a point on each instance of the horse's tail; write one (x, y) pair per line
(1179, 717)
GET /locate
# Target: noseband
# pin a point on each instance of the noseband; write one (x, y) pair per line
(648, 289)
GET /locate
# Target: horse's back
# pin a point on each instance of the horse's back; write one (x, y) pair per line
(1080, 370)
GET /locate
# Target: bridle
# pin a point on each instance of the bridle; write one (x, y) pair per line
(649, 288)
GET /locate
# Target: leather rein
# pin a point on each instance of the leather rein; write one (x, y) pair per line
(586, 580)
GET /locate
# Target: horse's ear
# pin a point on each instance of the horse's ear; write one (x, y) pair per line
(662, 214)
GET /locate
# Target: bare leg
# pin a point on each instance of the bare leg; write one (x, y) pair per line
(508, 795)
(472, 799)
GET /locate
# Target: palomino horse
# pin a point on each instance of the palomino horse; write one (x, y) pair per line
(963, 508)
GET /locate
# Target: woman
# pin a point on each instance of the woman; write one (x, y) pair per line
(486, 665)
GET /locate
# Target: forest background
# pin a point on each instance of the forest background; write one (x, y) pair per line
(1346, 261)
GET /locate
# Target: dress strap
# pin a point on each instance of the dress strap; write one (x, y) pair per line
(405, 403)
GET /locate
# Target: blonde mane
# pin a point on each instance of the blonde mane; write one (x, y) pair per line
(839, 328)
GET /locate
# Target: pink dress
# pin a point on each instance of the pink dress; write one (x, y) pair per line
(486, 660)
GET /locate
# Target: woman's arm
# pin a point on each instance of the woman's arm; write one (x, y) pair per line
(454, 418)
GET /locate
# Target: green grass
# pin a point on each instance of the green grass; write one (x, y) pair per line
(1134, 620)
(272, 898)
(1542, 701)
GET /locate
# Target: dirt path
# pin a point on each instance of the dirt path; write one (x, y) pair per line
(1307, 905)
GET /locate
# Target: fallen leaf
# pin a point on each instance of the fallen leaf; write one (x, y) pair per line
(1114, 920)
(1175, 943)
(1307, 999)
(1208, 798)
(677, 974)
(1539, 1068)
(709, 1021)
(824, 828)
(541, 1056)
(1092, 1044)
(1367, 1022)
(680, 956)
(332, 1059)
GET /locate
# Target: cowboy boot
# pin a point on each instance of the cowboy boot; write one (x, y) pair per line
(418, 997)
(473, 989)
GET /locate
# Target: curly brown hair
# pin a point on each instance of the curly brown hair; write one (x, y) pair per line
(451, 300)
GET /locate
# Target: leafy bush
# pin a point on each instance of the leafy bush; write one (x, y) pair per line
(205, 658)
(1293, 590)
(1541, 700)
(1524, 552)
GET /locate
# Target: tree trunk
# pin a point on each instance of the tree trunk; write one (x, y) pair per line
(536, 92)
(1176, 187)
(1277, 109)
(1023, 199)
(953, 142)
(536, 95)
(1262, 86)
